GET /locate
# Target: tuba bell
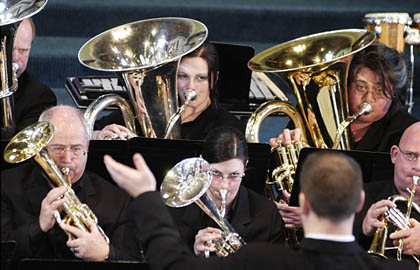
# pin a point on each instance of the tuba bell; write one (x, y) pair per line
(187, 183)
(399, 220)
(145, 55)
(11, 14)
(316, 68)
(31, 142)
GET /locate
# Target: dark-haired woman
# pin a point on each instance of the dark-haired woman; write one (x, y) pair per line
(197, 71)
(253, 216)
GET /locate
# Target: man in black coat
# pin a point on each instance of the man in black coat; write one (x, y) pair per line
(32, 97)
(405, 157)
(29, 199)
(331, 194)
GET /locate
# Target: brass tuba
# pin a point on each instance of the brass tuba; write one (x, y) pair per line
(316, 68)
(31, 142)
(145, 55)
(401, 222)
(12, 12)
(186, 183)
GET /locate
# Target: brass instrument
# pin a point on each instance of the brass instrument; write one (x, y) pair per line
(11, 13)
(187, 182)
(395, 217)
(31, 142)
(145, 55)
(316, 68)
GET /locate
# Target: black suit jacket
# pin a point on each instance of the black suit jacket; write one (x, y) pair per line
(255, 218)
(31, 99)
(376, 191)
(164, 250)
(22, 190)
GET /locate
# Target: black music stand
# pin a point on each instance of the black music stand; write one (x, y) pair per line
(161, 155)
(376, 166)
(45, 264)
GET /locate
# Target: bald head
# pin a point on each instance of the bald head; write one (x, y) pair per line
(65, 117)
(412, 133)
(22, 44)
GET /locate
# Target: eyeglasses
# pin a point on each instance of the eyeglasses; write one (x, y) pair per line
(76, 150)
(410, 156)
(363, 90)
(235, 176)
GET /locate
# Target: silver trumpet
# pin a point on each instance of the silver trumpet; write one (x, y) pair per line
(186, 183)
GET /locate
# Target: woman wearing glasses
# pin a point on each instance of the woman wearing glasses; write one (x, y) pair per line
(253, 216)
(379, 76)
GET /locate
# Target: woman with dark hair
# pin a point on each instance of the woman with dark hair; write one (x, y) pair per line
(379, 76)
(197, 71)
(253, 216)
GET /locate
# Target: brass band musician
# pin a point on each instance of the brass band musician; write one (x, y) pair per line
(29, 200)
(405, 157)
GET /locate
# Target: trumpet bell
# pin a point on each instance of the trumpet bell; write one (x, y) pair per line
(186, 182)
(12, 11)
(28, 142)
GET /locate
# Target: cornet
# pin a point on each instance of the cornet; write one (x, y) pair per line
(187, 183)
(401, 221)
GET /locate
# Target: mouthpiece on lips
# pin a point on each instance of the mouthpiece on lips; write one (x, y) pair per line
(190, 94)
(365, 108)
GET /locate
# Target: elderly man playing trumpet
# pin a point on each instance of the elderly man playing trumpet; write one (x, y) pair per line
(405, 157)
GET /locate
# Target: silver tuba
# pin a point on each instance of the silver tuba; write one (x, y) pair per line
(186, 183)
(145, 55)
(12, 12)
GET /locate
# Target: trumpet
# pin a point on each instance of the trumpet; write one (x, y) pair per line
(187, 183)
(31, 142)
(401, 221)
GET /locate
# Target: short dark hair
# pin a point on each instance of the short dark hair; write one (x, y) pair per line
(332, 183)
(390, 66)
(208, 52)
(225, 143)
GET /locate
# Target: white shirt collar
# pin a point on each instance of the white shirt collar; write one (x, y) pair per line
(331, 237)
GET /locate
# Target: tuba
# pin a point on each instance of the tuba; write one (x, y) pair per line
(399, 220)
(145, 55)
(316, 68)
(32, 142)
(187, 182)
(11, 13)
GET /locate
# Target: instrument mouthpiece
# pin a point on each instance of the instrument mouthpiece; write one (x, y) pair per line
(365, 108)
(190, 94)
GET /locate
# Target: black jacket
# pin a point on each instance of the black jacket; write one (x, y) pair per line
(22, 190)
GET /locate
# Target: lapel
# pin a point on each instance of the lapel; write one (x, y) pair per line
(35, 189)
(87, 195)
(242, 216)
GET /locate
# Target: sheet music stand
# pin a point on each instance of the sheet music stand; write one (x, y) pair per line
(376, 166)
(46, 264)
(161, 155)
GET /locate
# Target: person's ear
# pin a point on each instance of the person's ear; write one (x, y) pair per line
(304, 204)
(359, 206)
(394, 152)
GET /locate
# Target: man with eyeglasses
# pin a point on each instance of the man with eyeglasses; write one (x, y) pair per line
(29, 199)
(405, 158)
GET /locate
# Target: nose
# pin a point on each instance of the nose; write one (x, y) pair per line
(66, 157)
(15, 56)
